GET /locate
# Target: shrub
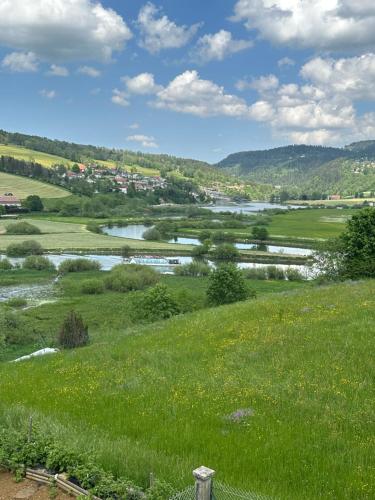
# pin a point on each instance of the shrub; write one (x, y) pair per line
(22, 228)
(157, 303)
(200, 251)
(17, 329)
(293, 274)
(275, 273)
(220, 236)
(227, 285)
(92, 287)
(78, 266)
(195, 268)
(5, 265)
(38, 262)
(256, 273)
(151, 234)
(125, 251)
(260, 233)
(227, 252)
(126, 278)
(204, 235)
(29, 247)
(94, 228)
(34, 203)
(16, 302)
(73, 332)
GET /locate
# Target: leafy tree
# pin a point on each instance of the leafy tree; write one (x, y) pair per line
(75, 169)
(227, 252)
(158, 303)
(200, 251)
(125, 251)
(260, 233)
(152, 234)
(73, 332)
(204, 236)
(226, 285)
(34, 203)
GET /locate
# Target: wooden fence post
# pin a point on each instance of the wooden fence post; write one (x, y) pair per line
(203, 483)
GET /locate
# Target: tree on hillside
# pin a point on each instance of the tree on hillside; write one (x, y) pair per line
(227, 285)
(34, 203)
(352, 255)
(260, 233)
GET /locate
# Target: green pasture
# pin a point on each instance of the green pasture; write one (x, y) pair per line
(162, 398)
(22, 187)
(25, 154)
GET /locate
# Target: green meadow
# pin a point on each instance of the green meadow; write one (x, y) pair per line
(25, 154)
(22, 187)
(162, 398)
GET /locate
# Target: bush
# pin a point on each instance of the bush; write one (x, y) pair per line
(293, 274)
(126, 278)
(227, 285)
(125, 251)
(275, 273)
(22, 228)
(92, 287)
(204, 236)
(29, 247)
(227, 252)
(157, 303)
(260, 233)
(73, 332)
(78, 266)
(195, 268)
(151, 234)
(34, 203)
(220, 236)
(38, 262)
(16, 329)
(16, 302)
(256, 273)
(200, 251)
(5, 265)
(93, 227)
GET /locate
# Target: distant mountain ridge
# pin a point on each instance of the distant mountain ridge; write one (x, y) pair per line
(309, 169)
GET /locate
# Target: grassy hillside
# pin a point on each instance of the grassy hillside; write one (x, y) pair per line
(160, 398)
(25, 154)
(22, 187)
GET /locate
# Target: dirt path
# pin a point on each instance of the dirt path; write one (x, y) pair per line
(26, 490)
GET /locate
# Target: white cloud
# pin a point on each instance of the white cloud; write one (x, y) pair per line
(318, 24)
(147, 141)
(134, 126)
(141, 84)
(120, 98)
(218, 46)
(261, 84)
(285, 61)
(48, 94)
(62, 30)
(158, 32)
(21, 62)
(89, 71)
(188, 93)
(56, 70)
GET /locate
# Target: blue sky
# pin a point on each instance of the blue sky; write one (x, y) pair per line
(192, 78)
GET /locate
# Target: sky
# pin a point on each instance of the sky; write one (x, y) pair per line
(193, 78)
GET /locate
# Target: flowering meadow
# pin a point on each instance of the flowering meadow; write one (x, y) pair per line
(275, 394)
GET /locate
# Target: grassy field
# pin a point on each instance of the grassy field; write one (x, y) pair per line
(67, 236)
(158, 398)
(333, 203)
(21, 153)
(22, 187)
(152, 172)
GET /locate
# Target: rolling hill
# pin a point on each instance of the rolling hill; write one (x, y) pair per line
(22, 187)
(308, 169)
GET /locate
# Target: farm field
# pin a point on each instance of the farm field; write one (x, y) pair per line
(68, 236)
(163, 397)
(22, 187)
(25, 154)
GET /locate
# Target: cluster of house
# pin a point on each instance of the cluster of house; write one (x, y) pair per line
(121, 179)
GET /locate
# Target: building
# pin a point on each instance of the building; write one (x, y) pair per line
(8, 200)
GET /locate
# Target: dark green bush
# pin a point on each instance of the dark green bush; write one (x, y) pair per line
(195, 268)
(78, 266)
(17, 329)
(227, 252)
(73, 332)
(93, 227)
(92, 287)
(157, 303)
(38, 262)
(260, 233)
(293, 274)
(29, 247)
(151, 234)
(125, 251)
(227, 285)
(275, 273)
(5, 265)
(200, 251)
(126, 278)
(22, 228)
(220, 237)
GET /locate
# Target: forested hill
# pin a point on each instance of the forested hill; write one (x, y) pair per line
(308, 169)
